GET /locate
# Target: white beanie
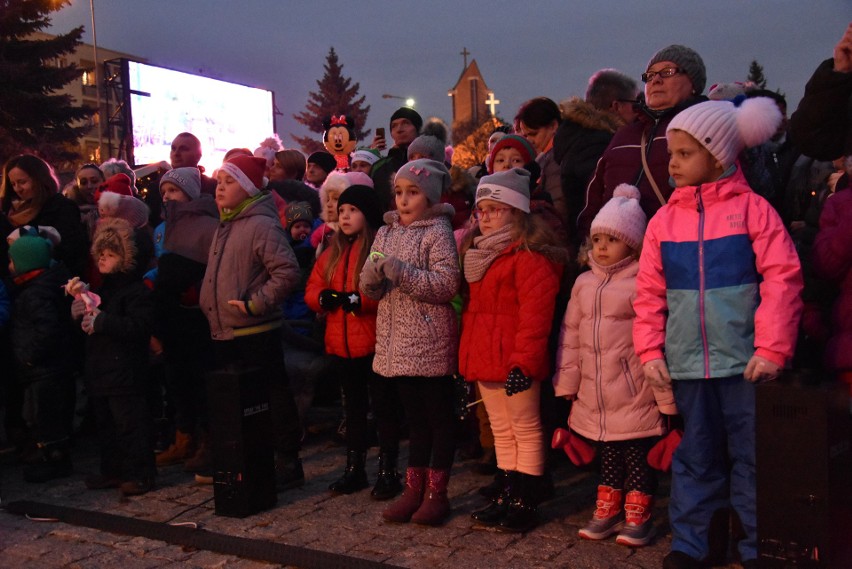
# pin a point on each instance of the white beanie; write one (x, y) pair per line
(622, 217)
(724, 128)
(511, 187)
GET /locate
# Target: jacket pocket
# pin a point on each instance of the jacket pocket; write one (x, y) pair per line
(628, 377)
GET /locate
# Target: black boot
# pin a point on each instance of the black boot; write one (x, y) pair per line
(387, 481)
(354, 477)
(54, 462)
(491, 491)
(521, 513)
(496, 511)
(288, 471)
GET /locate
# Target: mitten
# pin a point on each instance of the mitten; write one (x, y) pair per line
(330, 299)
(393, 269)
(657, 374)
(461, 395)
(350, 301)
(516, 382)
(760, 369)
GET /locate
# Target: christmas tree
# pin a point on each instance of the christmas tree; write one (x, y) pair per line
(336, 96)
(32, 117)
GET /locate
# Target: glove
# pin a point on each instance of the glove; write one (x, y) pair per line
(331, 299)
(393, 269)
(351, 301)
(760, 369)
(461, 394)
(78, 308)
(657, 374)
(517, 382)
(371, 274)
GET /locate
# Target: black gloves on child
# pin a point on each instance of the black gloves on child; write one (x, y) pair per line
(331, 299)
(516, 382)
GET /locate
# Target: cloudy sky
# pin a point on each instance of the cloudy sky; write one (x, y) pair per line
(412, 49)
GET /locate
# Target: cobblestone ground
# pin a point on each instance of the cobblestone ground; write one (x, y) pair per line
(310, 517)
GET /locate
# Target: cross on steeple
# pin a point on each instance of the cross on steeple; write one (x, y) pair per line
(464, 52)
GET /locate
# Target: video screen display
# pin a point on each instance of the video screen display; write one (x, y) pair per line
(223, 115)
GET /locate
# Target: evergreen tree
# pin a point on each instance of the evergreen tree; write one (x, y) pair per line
(32, 117)
(755, 74)
(336, 96)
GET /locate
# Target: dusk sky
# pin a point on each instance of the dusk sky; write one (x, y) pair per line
(412, 49)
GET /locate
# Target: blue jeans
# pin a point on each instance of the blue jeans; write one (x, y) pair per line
(714, 465)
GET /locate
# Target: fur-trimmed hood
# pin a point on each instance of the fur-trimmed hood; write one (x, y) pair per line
(583, 113)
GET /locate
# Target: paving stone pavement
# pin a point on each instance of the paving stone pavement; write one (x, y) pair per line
(310, 517)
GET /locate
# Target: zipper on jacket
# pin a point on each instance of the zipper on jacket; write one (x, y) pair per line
(596, 328)
(702, 283)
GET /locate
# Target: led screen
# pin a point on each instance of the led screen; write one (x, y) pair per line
(164, 103)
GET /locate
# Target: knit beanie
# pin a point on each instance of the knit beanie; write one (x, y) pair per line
(431, 176)
(366, 200)
(115, 235)
(368, 155)
(687, 60)
(30, 252)
(298, 211)
(117, 184)
(519, 143)
(410, 114)
(248, 172)
(724, 128)
(133, 210)
(324, 160)
(188, 179)
(428, 146)
(359, 178)
(622, 217)
(511, 187)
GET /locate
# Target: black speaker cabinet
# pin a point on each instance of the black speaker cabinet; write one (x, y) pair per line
(241, 439)
(804, 477)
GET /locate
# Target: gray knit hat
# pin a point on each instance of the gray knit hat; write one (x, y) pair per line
(431, 176)
(687, 60)
(427, 146)
(511, 187)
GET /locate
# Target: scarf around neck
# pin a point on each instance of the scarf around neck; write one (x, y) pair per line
(485, 249)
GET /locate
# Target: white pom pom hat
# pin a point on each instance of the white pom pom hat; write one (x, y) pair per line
(724, 128)
(622, 217)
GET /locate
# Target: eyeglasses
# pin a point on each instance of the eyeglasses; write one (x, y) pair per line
(664, 73)
(488, 212)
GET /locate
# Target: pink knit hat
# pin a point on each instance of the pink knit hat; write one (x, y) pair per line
(622, 217)
(724, 128)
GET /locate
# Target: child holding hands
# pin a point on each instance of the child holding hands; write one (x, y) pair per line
(598, 368)
(717, 310)
(413, 272)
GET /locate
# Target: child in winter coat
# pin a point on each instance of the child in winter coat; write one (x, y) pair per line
(118, 329)
(512, 267)
(717, 310)
(413, 272)
(598, 368)
(180, 326)
(350, 336)
(39, 329)
(250, 270)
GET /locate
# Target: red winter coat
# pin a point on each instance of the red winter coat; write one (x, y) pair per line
(507, 318)
(347, 334)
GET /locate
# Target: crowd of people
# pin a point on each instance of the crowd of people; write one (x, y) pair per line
(613, 281)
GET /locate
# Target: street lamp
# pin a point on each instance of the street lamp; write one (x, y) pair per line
(409, 102)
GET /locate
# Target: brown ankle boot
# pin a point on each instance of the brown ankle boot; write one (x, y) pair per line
(436, 506)
(412, 495)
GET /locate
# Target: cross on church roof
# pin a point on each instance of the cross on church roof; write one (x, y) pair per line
(464, 52)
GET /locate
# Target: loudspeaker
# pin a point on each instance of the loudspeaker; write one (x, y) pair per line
(804, 474)
(241, 442)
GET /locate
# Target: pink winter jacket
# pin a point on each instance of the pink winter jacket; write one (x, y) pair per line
(597, 363)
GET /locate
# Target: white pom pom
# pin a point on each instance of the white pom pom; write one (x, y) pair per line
(757, 120)
(626, 191)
